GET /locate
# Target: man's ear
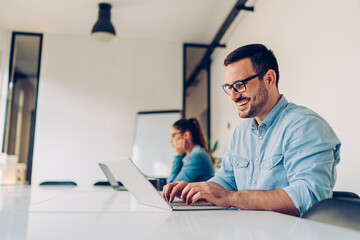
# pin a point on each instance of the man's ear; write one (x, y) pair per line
(270, 78)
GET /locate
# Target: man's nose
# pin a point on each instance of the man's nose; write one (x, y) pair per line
(234, 94)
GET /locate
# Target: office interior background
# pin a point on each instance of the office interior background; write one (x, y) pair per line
(89, 92)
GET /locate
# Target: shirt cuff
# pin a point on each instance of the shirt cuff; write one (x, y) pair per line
(222, 183)
(300, 196)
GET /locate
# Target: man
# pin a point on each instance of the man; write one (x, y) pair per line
(282, 158)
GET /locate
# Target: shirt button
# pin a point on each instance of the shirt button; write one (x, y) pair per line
(268, 166)
(260, 137)
(256, 159)
(254, 182)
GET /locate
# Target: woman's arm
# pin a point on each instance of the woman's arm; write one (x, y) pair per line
(176, 167)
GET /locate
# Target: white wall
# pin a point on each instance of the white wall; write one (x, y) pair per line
(89, 92)
(5, 39)
(89, 95)
(317, 43)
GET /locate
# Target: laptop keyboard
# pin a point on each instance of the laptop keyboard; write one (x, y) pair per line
(180, 204)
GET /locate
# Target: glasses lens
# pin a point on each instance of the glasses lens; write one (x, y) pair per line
(226, 88)
(240, 87)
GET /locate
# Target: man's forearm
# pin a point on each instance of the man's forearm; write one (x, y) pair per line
(271, 200)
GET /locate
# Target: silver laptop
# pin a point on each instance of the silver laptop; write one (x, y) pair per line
(112, 181)
(144, 192)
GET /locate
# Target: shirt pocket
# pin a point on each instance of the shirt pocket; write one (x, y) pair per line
(272, 162)
(273, 173)
(241, 171)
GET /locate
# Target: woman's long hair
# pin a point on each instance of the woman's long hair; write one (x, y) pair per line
(193, 126)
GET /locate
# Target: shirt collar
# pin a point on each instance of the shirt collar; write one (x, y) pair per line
(273, 114)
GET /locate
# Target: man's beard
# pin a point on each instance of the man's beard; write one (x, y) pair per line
(259, 101)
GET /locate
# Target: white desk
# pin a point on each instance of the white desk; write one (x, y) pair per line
(37, 213)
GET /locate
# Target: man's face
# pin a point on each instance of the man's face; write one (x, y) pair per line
(251, 102)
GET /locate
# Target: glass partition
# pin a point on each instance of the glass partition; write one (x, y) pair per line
(21, 101)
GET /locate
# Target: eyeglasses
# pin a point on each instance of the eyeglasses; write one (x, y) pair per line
(240, 85)
(174, 134)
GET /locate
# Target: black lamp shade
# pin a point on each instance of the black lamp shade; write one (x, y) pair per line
(103, 29)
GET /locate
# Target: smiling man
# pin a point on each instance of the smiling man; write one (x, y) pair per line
(282, 158)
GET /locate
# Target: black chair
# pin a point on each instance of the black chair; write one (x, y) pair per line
(58, 183)
(105, 183)
(337, 194)
(343, 212)
(158, 183)
(102, 183)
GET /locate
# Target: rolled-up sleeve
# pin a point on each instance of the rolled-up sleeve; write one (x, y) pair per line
(311, 152)
(225, 176)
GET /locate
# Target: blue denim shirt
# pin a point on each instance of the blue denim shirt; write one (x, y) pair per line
(293, 149)
(196, 167)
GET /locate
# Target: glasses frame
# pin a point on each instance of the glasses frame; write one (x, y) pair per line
(176, 133)
(241, 81)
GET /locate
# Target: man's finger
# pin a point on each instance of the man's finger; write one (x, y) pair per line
(176, 189)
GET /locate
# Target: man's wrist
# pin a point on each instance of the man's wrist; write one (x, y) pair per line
(233, 198)
(230, 198)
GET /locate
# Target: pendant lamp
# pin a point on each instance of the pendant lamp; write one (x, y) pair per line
(103, 30)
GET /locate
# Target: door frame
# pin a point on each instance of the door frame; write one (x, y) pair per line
(33, 119)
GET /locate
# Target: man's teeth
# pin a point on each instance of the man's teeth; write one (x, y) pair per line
(242, 102)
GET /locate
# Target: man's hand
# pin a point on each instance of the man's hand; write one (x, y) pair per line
(193, 192)
(172, 190)
(269, 200)
(208, 191)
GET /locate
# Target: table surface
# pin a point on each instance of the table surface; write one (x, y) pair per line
(102, 213)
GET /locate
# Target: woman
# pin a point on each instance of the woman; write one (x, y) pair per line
(193, 161)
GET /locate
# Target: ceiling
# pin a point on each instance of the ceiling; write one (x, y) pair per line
(163, 20)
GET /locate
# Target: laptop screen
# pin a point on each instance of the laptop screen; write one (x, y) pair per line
(113, 182)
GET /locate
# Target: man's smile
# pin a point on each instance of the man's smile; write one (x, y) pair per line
(243, 102)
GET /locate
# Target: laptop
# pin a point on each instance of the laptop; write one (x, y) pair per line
(113, 182)
(143, 191)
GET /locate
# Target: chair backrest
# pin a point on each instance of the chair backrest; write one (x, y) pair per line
(337, 194)
(58, 183)
(102, 183)
(343, 212)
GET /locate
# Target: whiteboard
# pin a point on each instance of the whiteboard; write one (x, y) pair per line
(152, 152)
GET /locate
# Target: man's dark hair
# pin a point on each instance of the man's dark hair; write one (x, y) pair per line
(262, 59)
